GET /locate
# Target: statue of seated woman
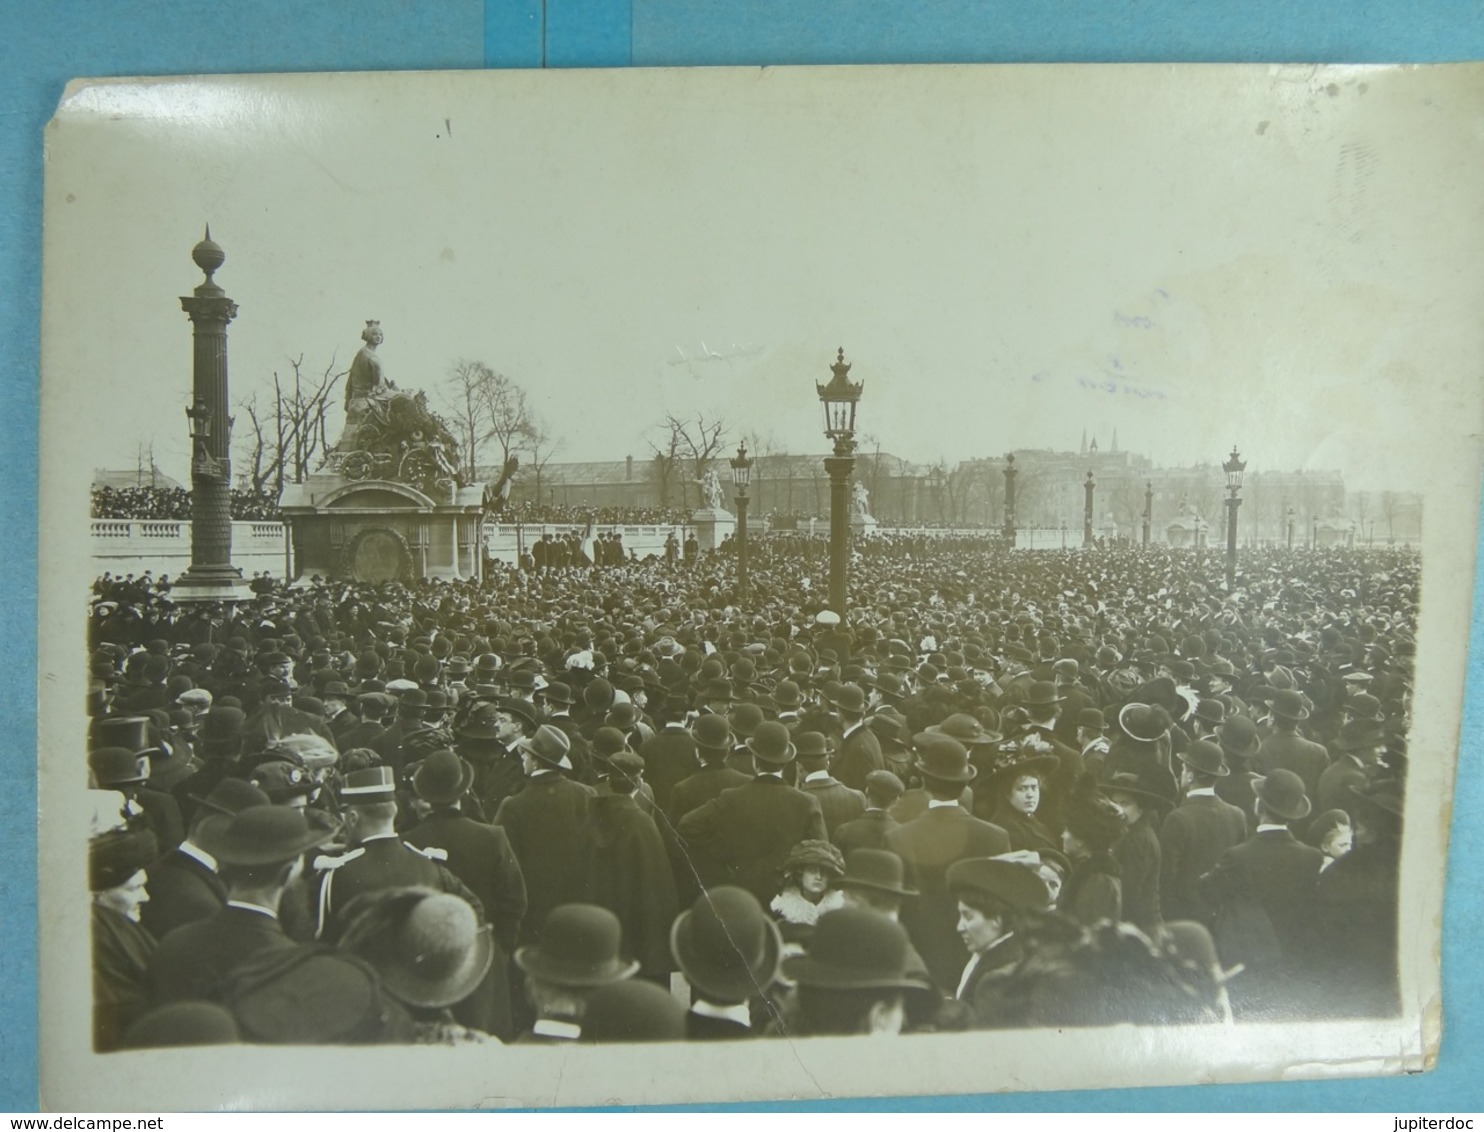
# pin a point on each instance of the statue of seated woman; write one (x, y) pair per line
(367, 391)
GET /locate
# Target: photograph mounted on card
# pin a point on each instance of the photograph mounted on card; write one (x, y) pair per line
(956, 555)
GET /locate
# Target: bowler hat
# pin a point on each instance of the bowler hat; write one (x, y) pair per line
(847, 697)
(1211, 711)
(481, 722)
(726, 945)
(879, 870)
(1238, 737)
(579, 947)
(1289, 704)
(1204, 757)
(786, 694)
(1282, 793)
(265, 835)
(745, 718)
(1145, 723)
(442, 778)
(966, 730)
(1005, 883)
(428, 947)
(1091, 718)
(713, 732)
(183, 1024)
(855, 949)
(1151, 785)
(231, 796)
(1359, 735)
(942, 758)
(558, 693)
(771, 743)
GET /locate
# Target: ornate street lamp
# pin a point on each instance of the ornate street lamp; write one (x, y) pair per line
(1010, 474)
(1234, 467)
(741, 478)
(1087, 486)
(839, 399)
(1148, 509)
(1290, 528)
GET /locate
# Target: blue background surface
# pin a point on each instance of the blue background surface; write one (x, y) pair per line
(42, 45)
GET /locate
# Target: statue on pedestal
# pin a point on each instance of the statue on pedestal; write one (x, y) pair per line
(390, 434)
(711, 489)
(862, 499)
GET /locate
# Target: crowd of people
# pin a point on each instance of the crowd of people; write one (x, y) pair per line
(527, 511)
(154, 502)
(1008, 789)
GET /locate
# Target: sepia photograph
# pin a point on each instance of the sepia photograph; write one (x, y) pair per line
(974, 556)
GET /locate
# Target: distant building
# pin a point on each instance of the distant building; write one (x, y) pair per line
(133, 477)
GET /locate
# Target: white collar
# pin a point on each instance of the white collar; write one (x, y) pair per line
(197, 854)
(816, 775)
(1201, 792)
(851, 730)
(374, 837)
(969, 968)
(552, 1028)
(1267, 825)
(778, 774)
(248, 907)
(939, 804)
(739, 1013)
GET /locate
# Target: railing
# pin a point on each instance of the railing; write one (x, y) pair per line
(170, 529)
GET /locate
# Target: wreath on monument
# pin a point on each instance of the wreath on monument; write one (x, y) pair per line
(352, 549)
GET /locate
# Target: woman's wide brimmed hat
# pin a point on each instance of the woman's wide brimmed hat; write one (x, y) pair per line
(855, 949)
(429, 947)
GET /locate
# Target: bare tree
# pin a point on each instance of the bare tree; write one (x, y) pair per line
(289, 440)
(541, 446)
(465, 397)
(696, 442)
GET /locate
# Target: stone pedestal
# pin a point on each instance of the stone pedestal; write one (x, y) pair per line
(383, 531)
(863, 525)
(712, 524)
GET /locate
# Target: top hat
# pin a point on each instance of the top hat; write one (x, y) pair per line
(878, 870)
(579, 947)
(855, 949)
(1288, 704)
(550, 745)
(428, 947)
(771, 744)
(966, 730)
(1004, 883)
(726, 945)
(442, 778)
(117, 766)
(1204, 757)
(265, 835)
(1282, 793)
(942, 758)
(127, 731)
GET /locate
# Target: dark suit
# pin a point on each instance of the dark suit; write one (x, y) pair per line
(1138, 856)
(1287, 750)
(858, 756)
(547, 826)
(195, 962)
(986, 980)
(1264, 894)
(628, 872)
(669, 759)
(181, 891)
(742, 835)
(927, 846)
(1192, 839)
(382, 862)
(694, 792)
(869, 831)
(122, 952)
(360, 733)
(479, 855)
(1336, 783)
(704, 1028)
(838, 802)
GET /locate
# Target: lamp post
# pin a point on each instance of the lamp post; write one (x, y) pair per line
(1010, 474)
(1234, 467)
(741, 477)
(839, 399)
(1148, 509)
(1087, 487)
(211, 575)
(1290, 528)
(1064, 534)
(935, 477)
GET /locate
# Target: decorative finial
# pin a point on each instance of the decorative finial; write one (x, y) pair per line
(208, 256)
(840, 354)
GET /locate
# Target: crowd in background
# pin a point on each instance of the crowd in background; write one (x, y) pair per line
(153, 502)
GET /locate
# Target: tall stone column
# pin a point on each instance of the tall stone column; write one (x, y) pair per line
(211, 575)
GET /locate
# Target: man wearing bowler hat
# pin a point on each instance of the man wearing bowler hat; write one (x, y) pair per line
(1358, 749)
(875, 879)
(854, 978)
(126, 771)
(728, 949)
(743, 834)
(378, 858)
(580, 951)
(1263, 891)
(184, 884)
(260, 852)
(547, 826)
(838, 802)
(859, 751)
(1286, 748)
(931, 842)
(1196, 833)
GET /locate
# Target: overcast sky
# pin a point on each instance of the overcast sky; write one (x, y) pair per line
(1200, 258)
